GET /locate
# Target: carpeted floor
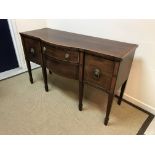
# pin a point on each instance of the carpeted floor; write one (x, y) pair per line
(27, 109)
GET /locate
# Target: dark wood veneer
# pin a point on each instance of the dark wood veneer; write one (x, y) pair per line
(103, 47)
(59, 52)
(99, 62)
(62, 68)
(32, 49)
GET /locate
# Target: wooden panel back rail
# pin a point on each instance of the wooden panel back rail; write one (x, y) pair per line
(102, 63)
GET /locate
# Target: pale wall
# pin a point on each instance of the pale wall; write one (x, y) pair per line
(141, 84)
(30, 24)
(21, 25)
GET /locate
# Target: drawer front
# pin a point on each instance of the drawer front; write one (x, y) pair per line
(98, 71)
(60, 53)
(62, 68)
(32, 50)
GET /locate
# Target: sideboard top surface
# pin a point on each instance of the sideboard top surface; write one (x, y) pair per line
(115, 49)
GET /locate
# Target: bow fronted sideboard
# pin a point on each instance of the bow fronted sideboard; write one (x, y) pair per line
(101, 63)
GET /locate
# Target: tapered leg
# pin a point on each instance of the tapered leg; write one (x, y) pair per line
(45, 77)
(122, 92)
(109, 105)
(81, 87)
(29, 70)
(50, 72)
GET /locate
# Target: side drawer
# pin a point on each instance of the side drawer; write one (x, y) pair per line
(32, 49)
(62, 53)
(98, 71)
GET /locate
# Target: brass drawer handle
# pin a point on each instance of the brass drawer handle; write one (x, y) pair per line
(97, 73)
(66, 56)
(44, 49)
(32, 51)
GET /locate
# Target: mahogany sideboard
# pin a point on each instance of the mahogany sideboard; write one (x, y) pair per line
(101, 63)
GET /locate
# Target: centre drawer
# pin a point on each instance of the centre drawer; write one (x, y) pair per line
(62, 68)
(60, 53)
(98, 71)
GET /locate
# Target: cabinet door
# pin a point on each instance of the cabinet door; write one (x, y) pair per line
(32, 49)
(98, 71)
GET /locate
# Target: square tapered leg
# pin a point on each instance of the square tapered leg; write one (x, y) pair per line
(29, 70)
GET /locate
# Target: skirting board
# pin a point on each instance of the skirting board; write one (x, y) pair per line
(139, 103)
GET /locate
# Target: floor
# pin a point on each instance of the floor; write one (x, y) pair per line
(27, 109)
(151, 128)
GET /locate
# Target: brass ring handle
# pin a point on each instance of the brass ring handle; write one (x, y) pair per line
(97, 73)
(32, 51)
(66, 56)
